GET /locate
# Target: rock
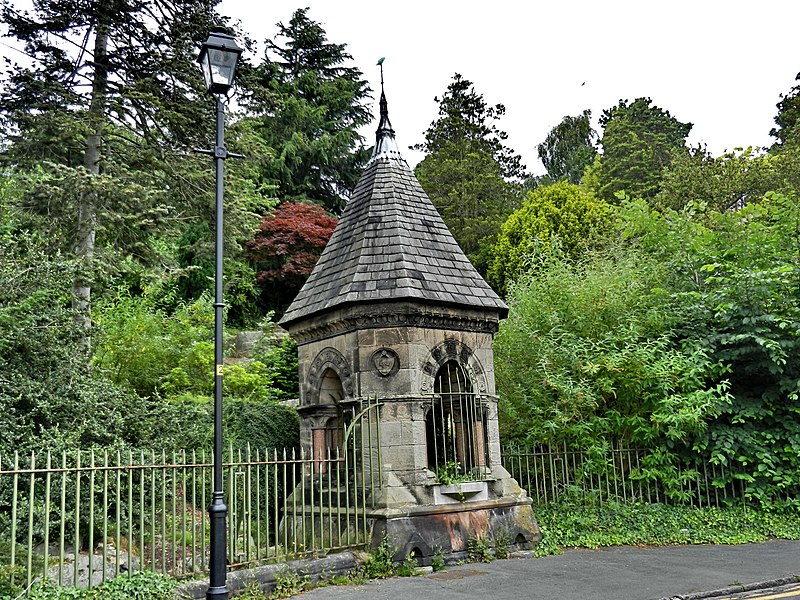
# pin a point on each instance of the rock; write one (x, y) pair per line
(115, 563)
(245, 342)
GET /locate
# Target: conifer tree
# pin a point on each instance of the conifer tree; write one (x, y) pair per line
(469, 173)
(306, 107)
(111, 95)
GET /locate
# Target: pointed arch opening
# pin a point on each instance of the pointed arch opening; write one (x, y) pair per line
(335, 415)
(455, 425)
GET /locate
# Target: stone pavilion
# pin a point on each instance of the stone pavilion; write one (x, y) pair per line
(394, 321)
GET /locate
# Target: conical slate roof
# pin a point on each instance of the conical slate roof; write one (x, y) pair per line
(391, 244)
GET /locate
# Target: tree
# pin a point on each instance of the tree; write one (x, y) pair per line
(464, 115)
(639, 141)
(561, 215)
(103, 112)
(472, 178)
(286, 248)
(788, 119)
(307, 109)
(726, 182)
(569, 148)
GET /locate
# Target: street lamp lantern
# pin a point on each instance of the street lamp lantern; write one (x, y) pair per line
(218, 58)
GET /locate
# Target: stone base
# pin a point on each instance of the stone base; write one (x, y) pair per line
(424, 531)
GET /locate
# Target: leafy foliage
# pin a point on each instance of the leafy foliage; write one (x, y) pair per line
(151, 351)
(605, 366)
(286, 248)
(451, 473)
(638, 141)
(143, 585)
(578, 525)
(379, 563)
(478, 550)
(561, 215)
(726, 182)
(569, 148)
(43, 366)
(738, 277)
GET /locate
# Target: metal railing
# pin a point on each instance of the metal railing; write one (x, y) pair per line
(81, 518)
(551, 474)
(455, 424)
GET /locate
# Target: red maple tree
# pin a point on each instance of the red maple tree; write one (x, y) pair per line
(286, 248)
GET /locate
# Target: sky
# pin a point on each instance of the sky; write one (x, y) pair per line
(720, 65)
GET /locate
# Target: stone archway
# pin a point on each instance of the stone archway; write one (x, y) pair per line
(453, 350)
(455, 424)
(328, 363)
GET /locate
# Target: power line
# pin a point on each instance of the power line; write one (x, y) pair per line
(20, 51)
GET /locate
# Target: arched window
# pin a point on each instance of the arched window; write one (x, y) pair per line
(455, 423)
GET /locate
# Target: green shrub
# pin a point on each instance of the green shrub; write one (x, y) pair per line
(261, 424)
(144, 585)
(379, 563)
(478, 550)
(577, 525)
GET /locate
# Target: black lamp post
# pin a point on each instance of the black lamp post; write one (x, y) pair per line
(218, 59)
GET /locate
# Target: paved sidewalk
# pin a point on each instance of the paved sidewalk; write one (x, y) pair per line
(621, 573)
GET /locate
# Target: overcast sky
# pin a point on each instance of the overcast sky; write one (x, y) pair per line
(720, 65)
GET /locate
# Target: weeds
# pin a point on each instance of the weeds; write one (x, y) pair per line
(409, 567)
(379, 563)
(478, 550)
(437, 562)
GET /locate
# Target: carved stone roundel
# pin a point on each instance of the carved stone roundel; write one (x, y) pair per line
(385, 361)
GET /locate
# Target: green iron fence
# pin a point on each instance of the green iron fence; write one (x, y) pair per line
(81, 518)
(551, 474)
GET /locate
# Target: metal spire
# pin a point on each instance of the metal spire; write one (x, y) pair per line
(385, 144)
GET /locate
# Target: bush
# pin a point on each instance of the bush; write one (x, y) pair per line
(144, 585)
(560, 214)
(589, 354)
(44, 372)
(577, 525)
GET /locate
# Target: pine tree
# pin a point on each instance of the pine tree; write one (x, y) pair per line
(470, 175)
(307, 109)
(113, 93)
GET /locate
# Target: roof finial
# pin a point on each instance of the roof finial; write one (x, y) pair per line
(384, 136)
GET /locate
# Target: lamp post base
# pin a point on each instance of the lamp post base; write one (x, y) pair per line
(217, 513)
(219, 593)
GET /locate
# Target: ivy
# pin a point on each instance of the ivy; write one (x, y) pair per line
(579, 525)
